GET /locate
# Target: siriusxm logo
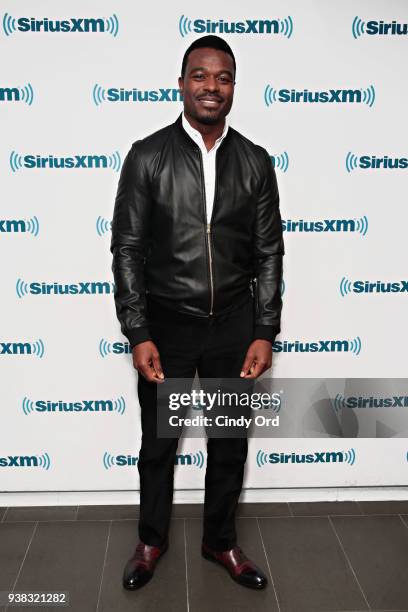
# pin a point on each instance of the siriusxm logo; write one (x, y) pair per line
(349, 457)
(81, 288)
(331, 96)
(20, 226)
(41, 461)
(17, 94)
(52, 162)
(280, 161)
(326, 225)
(48, 406)
(113, 348)
(186, 459)
(23, 348)
(320, 346)
(282, 27)
(364, 286)
(353, 401)
(92, 25)
(378, 28)
(374, 163)
(114, 94)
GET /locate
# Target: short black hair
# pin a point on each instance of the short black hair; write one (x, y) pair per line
(211, 41)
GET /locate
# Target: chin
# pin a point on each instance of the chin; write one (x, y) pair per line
(208, 118)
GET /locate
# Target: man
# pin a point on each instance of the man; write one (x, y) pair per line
(197, 261)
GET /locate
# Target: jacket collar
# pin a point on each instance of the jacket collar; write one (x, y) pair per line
(188, 142)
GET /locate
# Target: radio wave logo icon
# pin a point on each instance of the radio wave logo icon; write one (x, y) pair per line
(112, 25)
(98, 94)
(32, 226)
(197, 459)
(44, 461)
(105, 348)
(280, 161)
(185, 26)
(369, 95)
(114, 161)
(9, 24)
(345, 286)
(16, 161)
(351, 161)
(270, 95)
(22, 288)
(103, 226)
(37, 348)
(355, 345)
(286, 26)
(339, 402)
(262, 458)
(27, 94)
(119, 405)
(358, 27)
(362, 225)
(350, 456)
(109, 460)
(28, 406)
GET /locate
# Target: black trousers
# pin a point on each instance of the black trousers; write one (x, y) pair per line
(214, 347)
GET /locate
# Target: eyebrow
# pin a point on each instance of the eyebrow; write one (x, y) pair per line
(205, 69)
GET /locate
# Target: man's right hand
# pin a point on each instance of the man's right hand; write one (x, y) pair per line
(146, 360)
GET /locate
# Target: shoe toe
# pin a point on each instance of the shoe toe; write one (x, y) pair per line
(135, 578)
(254, 579)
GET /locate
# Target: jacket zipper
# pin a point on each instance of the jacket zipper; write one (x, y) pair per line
(210, 266)
(208, 232)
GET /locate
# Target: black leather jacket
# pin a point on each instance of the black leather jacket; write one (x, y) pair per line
(162, 245)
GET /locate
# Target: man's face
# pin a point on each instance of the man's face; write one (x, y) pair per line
(208, 85)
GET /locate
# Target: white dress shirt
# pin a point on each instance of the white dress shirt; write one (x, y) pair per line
(208, 161)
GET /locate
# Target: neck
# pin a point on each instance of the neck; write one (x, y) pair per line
(210, 133)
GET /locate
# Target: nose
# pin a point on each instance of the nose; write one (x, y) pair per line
(211, 84)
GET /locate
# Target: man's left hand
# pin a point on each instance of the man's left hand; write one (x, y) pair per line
(258, 359)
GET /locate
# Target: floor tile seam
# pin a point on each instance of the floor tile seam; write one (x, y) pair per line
(349, 563)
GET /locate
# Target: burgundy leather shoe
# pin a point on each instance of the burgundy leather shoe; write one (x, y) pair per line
(140, 568)
(241, 569)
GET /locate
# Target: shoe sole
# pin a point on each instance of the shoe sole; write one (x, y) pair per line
(139, 586)
(249, 586)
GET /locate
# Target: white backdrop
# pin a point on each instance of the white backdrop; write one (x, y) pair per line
(55, 222)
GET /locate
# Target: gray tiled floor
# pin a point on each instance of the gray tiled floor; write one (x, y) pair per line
(319, 557)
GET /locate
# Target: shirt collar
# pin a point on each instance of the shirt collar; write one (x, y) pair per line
(197, 136)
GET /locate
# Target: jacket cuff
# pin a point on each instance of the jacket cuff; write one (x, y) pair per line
(138, 335)
(266, 332)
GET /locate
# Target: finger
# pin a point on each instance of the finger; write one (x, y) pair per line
(149, 373)
(157, 365)
(256, 369)
(249, 359)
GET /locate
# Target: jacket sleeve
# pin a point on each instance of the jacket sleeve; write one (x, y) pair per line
(268, 256)
(129, 243)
